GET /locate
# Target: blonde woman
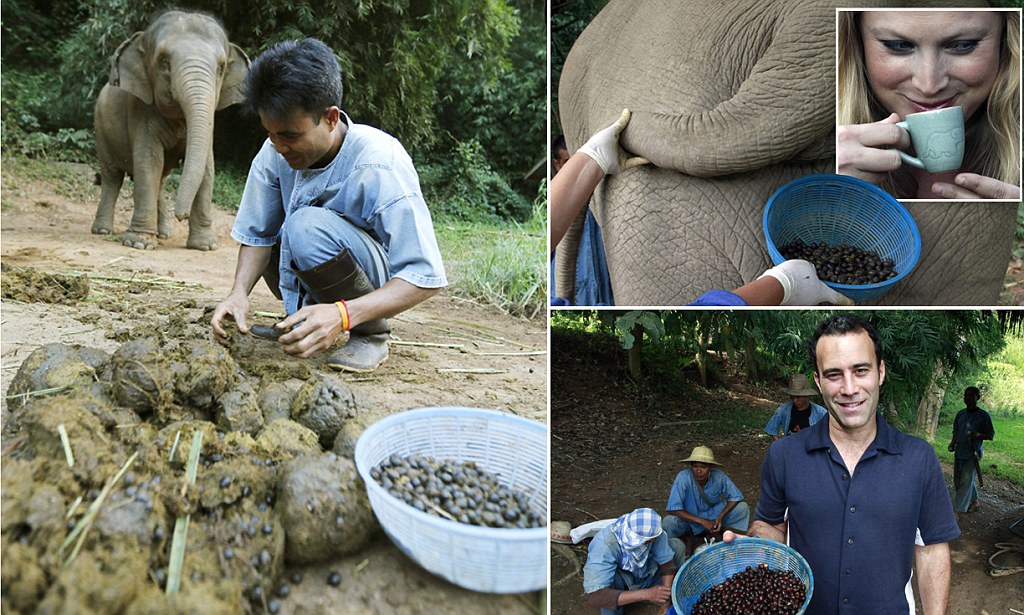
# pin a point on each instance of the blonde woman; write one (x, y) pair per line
(894, 63)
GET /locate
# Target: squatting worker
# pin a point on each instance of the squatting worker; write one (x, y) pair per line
(861, 501)
(894, 63)
(627, 562)
(332, 216)
(971, 427)
(703, 502)
(797, 413)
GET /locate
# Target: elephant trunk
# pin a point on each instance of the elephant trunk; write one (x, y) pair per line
(198, 102)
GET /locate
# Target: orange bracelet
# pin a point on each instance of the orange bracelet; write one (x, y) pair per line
(343, 309)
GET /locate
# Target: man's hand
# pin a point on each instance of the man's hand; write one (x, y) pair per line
(235, 308)
(313, 329)
(801, 286)
(969, 186)
(604, 148)
(659, 593)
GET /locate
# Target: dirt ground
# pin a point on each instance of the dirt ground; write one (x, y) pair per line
(612, 453)
(448, 351)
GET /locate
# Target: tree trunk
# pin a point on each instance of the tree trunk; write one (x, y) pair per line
(751, 360)
(928, 410)
(634, 352)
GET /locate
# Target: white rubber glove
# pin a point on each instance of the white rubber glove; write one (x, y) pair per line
(604, 148)
(801, 286)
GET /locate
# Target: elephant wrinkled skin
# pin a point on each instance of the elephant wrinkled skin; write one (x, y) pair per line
(740, 101)
(157, 109)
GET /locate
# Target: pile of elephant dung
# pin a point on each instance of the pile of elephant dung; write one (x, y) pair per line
(267, 493)
(27, 285)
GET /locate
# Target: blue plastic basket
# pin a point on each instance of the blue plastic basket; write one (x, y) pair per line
(484, 559)
(722, 560)
(838, 209)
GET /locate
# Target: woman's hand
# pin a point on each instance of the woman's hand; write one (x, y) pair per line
(865, 151)
(970, 186)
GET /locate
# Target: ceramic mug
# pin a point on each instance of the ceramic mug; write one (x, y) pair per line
(938, 138)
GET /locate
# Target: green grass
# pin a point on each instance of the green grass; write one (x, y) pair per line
(497, 264)
(1005, 451)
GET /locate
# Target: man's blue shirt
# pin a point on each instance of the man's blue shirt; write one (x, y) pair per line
(778, 425)
(857, 533)
(604, 555)
(719, 490)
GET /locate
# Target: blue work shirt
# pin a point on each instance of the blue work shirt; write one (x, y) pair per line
(371, 182)
(719, 489)
(604, 555)
(857, 533)
(778, 425)
(966, 422)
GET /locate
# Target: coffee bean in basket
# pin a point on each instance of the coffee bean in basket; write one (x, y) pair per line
(842, 264)
(754, 591)
(461, 492)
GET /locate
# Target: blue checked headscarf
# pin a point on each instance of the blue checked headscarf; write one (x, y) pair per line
(633, 530)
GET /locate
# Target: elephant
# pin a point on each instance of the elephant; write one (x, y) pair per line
(730, 101)
(157, 109)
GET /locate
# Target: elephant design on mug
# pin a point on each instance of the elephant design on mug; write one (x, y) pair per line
(944, 145)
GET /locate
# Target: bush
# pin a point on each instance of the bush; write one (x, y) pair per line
(463, 186)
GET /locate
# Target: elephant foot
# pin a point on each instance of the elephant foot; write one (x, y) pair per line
(139, 240)
(99, 229)
(164, 234)
(202, 239)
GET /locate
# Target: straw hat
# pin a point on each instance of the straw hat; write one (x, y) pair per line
(560, 532)
(702, 454)
(799, 387)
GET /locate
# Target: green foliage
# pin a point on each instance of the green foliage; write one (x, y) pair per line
(30, 116)
(649, 322)
(464, 187)
(504, 109)
(498, 264)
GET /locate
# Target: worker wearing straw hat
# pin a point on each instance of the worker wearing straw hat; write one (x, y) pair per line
(629, 561)
(703, 501)
(797, 413)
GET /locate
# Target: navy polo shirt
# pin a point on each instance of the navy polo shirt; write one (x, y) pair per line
(857, 533)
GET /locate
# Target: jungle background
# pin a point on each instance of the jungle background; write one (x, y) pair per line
(633, 392)
(461, 84)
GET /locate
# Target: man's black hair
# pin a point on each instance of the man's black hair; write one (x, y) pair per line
(841, 324)
(300, 74)
(558, 145)
(977, 391)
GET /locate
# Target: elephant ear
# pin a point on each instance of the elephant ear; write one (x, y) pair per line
(231, 89)
(128, 69)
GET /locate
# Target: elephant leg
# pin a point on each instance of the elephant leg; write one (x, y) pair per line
(148, 164)
(165, 213)
(111, 181)
(200, 221)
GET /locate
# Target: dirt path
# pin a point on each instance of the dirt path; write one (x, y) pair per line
(611, 454)
(449, 352)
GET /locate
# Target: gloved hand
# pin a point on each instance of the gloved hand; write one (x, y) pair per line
(801, 286)
(604, 148)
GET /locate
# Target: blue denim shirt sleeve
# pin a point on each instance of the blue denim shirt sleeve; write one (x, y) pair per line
(729, 488)
(717, 298)
(780, 420)
(602, 561)
(261, 212)
(660, 551)
(677, 496)
(817, 413)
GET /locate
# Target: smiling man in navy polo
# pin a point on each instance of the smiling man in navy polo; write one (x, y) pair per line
(863, 502)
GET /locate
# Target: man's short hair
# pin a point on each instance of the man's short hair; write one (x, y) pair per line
(558, 145)
(300, 74)
(841, 324)
(977, 391)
